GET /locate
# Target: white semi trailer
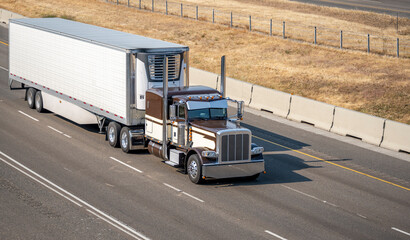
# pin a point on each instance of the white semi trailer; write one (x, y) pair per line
(94, 75)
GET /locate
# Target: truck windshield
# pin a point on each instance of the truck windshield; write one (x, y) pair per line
(207, 113)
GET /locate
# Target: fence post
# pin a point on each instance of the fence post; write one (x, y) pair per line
(182, 11)
(196, 12)
(250, 23)
(213, 15)
(166, 7)
(315, 35)
(117, 2)
(341, 39)
(128, 3)
(398, 48)
(231, 19)
(368, 43)
(270, 27)
(140, 5)
(283, 31)
(152, 8)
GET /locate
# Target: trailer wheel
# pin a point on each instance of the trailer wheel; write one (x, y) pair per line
(31, 93)
(194, 169)
(113, 132)
(125, 139)
(38, 102)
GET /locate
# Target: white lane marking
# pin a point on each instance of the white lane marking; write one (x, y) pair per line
(25, 114)
(107, 221)
(189, 195)
(133, 168)
(302, 193)
(67, 135)
(398, 230)
(311, 196)
(111, 220)
(185, 193)
(40, 182)
(5, 69)
(275, 235)
(170, 186)
(60, 132)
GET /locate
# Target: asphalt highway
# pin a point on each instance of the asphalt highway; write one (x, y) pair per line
(60, 180)
(391, 7)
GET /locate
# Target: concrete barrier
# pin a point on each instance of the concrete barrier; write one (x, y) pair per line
(310, 111)
(396, 136)
(238, 90)
(359, 125)
(271, 100)
(5, 15)
(204, 78)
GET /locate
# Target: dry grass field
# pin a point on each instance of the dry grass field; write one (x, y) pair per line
(370, 83)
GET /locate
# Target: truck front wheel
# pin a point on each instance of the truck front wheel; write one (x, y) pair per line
(38, 102)
(31, 94)
(113, 132)
(125, 139)
(194, 169)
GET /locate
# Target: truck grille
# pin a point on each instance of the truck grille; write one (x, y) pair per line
(156, 67)
(235, 147)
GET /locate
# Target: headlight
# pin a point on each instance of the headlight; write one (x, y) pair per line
(257, 150)
(209, 154)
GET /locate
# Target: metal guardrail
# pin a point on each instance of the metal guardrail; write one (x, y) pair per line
(317, 35)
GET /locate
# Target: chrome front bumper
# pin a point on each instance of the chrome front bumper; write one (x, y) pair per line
(233, 170)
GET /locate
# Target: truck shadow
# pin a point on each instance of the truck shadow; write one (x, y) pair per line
(280, 168)
(272, 141)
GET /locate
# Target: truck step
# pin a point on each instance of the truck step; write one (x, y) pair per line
(174, 164)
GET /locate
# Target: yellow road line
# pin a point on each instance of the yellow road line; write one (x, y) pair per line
(4, 43)
(335, 164)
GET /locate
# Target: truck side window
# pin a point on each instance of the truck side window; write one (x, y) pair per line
(181, 111)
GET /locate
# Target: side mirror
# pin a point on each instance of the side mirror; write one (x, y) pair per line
(241, 109)
(172, 112)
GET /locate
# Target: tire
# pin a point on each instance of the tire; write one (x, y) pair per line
(194, 169)
(125, 139)
(38, 102)
(31, 94)
(113, 133)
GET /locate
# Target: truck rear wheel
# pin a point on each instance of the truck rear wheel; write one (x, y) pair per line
(125, 139)
(31, 94)
(38, 102)
(194, 169)
(113, 132)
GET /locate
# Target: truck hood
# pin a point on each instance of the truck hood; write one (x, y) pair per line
(214, 125)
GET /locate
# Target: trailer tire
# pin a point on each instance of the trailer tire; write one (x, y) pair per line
(113, 133)
(194, 169)
(31, 94)
(125, 139)
(38, 102)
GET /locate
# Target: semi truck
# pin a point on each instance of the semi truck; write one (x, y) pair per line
(136, 89)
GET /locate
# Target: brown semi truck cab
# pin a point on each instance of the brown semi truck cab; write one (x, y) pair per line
(199, 135)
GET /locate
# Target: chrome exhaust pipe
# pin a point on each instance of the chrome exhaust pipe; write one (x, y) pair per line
(223, 77)
(165, 110)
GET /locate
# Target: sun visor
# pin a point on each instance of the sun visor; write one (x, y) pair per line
(192, 105)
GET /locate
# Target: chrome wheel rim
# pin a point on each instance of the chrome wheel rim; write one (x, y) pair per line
(124, 140)
(111, 135)
(37, 101)
(193, 169)
(29, 97)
